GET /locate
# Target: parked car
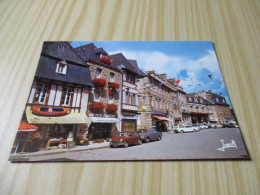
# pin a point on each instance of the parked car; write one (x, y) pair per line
(210, 125)
(197, 127)
(203, 126)
(148, 135)
(125, 139)
(187, 128)
(218, 126)
(227, 126)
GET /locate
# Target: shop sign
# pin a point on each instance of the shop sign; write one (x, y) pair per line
(143, 108)
(129, 117)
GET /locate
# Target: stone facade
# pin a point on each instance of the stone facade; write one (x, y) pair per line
(156, 98)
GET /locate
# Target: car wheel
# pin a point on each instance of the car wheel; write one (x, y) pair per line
(159, 138)
(139, 142)
(125, 144)
(182, 131)
(147, 140)
(111, 146)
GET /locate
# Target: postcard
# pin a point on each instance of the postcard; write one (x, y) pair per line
(128, 101)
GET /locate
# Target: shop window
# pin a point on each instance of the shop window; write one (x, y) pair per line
(98, 73)
(129, 125)
(112, 77)
(61, 67)
(66, 96)
(41, 93)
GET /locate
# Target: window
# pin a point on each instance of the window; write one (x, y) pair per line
(127, 97)
(216, 99)
(223, 100)
(61, 67)
(41, 93)
(66, 96)
(96, 96)
(133, 102)
(112, 77)
(98, 73)
(110, 98)
(130, 77)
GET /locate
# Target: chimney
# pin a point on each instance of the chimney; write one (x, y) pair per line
(163, 76)
(171, 80)
(150, 72)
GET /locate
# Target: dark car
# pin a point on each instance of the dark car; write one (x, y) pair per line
(125, 139)
(227, 126)
(148, 135)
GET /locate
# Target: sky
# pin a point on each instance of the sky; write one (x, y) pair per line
(191, 62)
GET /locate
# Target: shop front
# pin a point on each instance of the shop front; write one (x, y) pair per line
(102, 128)
(129, 121)
(198, 117)
(57, 132)
(177, 121)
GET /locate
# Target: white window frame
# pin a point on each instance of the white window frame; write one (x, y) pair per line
(110, 98)
(66, 95)
(41, 93)
(98, 73)
(61, 67)
(96, 96)
(112, 77)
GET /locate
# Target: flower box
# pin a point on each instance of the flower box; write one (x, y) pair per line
(99, 82)
(111, 108)
(105, 60)
(96, 106)
(113, 85)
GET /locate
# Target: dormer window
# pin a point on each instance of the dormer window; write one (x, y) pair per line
(223, 100)
(61, 67)
(216, 99)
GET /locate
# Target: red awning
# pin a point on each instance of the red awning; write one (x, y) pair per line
(27, 127)
(177, 118)
(162, 118)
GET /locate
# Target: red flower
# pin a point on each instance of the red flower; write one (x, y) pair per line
(111, 108)
(113, 85)
(96, 106)
(99, 82)
(109, 91)
(105, 60)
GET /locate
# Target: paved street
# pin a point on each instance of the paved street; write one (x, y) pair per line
(195, 145)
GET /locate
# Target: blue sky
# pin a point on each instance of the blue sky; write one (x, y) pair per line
(188, 61)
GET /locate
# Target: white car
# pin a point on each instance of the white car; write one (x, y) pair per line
(210, 125)
(203, 126)
(218, 126)
(187, 128)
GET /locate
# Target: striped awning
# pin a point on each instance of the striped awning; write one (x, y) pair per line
(162, 118)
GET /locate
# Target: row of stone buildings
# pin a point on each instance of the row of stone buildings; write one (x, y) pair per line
(104, 94)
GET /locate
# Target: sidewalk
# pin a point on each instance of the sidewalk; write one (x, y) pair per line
(17, 157)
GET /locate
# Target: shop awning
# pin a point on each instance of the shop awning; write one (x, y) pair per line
(177, 118)
(72, 118)
(27, 127)
(162, 118)
(103, 120)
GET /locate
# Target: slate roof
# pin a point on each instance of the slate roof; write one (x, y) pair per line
(119, 59)
(142, 72)
(77, 70)
(205, 101)
(62, 50)
(101, 50)
(90, 52)
(220, 98)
